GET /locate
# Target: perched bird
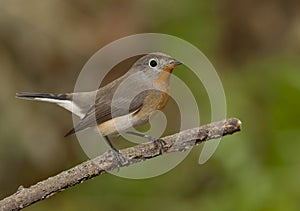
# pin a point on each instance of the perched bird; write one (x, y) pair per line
(126, 102)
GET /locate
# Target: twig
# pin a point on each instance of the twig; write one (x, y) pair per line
(106, 162)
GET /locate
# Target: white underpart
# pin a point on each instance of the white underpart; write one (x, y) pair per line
(67, 104)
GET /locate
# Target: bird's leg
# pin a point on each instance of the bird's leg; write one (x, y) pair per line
(159, 142)
(116, 152)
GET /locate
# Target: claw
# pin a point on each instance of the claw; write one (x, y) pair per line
(160, 144)
(119, 159)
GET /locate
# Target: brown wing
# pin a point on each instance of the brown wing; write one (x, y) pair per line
(102, 111)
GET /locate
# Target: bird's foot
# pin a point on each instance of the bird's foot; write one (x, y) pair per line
(158, 141)
(119, 158)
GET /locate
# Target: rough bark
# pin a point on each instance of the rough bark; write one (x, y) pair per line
(178, 142)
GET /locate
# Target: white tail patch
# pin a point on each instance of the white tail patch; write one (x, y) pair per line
(67, 104)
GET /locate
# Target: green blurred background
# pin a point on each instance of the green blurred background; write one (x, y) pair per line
(254, 46)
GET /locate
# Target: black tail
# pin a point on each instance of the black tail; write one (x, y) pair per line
(29, 95)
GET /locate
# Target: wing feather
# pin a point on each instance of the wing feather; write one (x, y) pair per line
(103, 111)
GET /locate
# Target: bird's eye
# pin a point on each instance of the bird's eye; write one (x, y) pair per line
(152, 63)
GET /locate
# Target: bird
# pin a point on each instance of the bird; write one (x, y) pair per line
(126, 102)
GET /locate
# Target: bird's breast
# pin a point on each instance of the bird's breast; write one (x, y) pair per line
(156, 98)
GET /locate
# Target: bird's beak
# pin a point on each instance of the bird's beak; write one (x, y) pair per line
(172, 65)
(175, 63)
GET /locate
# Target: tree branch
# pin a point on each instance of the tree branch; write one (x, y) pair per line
(181, 141)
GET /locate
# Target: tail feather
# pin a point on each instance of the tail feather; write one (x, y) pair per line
(36, 96)
(64, 100)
